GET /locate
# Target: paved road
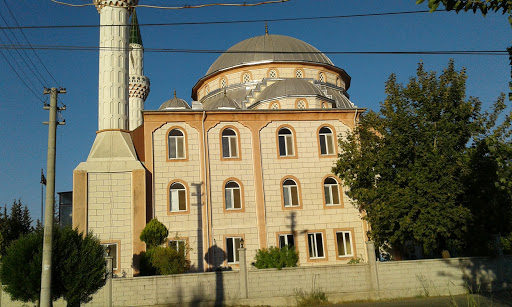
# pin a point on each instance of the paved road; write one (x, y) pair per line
(458, 300)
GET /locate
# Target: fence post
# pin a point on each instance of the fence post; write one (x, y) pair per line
(372, 267)
(108, 283)
(243, 272)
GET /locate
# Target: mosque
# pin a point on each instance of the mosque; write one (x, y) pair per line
(247, 163)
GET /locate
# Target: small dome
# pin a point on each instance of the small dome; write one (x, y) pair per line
(221, 102)
(270, 48)
(290, 87)
(174, 103)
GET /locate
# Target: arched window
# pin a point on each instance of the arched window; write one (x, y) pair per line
(290, 193)
(331, 192)
(223, 83)
(229, 143)
(232, 196)
(299, 73)
(177, 197)
(338, 82)
(176, 144)
(321, 77)
(246, 78)
(324, 105)
(206, 90)
(286, 147)
(272, 73)
(301, 104)
(325, 137)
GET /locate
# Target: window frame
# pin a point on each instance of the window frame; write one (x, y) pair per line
(180, 239)
(238, 148)
(118, 253)
(286, 233)
(225, 82)
(340, 192)
(236, 262)
(324, 246)
(302, 72)
(245, 73)
(187, 198)
(352, 243)
(299, 193)
(272, 69)
(321, 73)
(334, 142)
(298, 100)
(242, 198)
(185, 145)
(274, 103)
(294, 140)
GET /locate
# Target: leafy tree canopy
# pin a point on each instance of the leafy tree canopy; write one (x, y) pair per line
(78, 266)
(14, 224)
(484, 6)
(154, 233)
(407, 165)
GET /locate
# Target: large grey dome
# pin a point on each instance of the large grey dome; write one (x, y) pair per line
(269, 48)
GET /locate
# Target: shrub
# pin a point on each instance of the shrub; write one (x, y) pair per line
(78, 266)
(356, 260)
(275, 257)
(168, 260)
(506, 244)
(314, 298)
(154, 233)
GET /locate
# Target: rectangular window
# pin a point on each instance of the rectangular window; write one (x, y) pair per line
(316, 245)
(181, 148)
(111, 250)
(282, 146)
(225, 147)
(172, 147)
(179, 245)
(344, 242)
(286, 240)
(183, 200)
(232, 246)
(234, 147)
(323, 146)
(289, 145)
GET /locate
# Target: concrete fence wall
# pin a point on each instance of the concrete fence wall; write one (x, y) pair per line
(340, 282)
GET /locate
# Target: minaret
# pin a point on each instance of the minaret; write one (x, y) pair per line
(139, 84)
(113, 63)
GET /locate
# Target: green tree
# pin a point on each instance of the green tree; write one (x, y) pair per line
(405, 165)
(169, 260)
(78, 266)
(154, 233)
(276, 257)
(15, 224)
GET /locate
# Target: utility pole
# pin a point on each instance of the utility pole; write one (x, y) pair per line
(46, 274)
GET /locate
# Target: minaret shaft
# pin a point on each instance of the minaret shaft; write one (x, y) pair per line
(113, 68)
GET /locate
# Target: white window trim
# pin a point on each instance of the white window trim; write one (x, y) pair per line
(176, 192)
(178, 241)
(232, 193)
(230, 149)
(287, 190)
(344, 244)
(287, 138)
(175, 139)
(235, 260)
(325, 137)
(329, 190)
(314, 254)
(286, 243)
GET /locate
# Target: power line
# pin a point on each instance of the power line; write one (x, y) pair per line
(28, 87)
(28, 42)
(212, 51)
(184, 6)
(227, 21)
(21, 56)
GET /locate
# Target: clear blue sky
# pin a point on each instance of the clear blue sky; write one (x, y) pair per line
(23, 137)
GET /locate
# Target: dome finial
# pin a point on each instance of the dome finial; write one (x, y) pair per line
(174, 92)
(266, 28)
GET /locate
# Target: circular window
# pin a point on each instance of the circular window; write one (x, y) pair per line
(274, 106)
(272, 73)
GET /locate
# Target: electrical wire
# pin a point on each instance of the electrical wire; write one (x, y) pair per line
(212, 51)
(28, 42)
(229, 21)
(20, 55)
(23, 81)
(210, 4)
